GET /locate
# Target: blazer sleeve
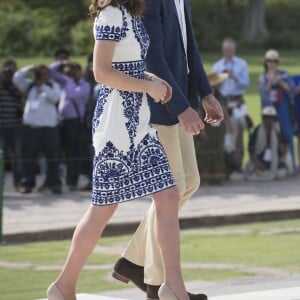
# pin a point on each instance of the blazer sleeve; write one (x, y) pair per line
(156, 61)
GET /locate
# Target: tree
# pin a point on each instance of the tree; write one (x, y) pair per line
(254, 28)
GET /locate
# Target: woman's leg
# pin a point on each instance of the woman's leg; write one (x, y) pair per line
(86, 235)
(167, 234)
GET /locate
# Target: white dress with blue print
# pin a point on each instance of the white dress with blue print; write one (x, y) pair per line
(129, 160)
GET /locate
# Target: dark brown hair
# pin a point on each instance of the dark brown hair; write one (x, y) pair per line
(134, 7)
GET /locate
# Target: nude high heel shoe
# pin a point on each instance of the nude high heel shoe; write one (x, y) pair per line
(165, 293)
(53, 293)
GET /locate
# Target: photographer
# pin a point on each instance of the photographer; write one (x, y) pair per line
(40, 119)
(11, 118)
(75, 92)
(233, 90)
(277, 89)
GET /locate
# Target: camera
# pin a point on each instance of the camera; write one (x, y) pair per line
(40, 72)
(37, 73)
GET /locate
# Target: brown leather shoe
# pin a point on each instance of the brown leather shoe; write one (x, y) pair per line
(125, 271)
(152, 294)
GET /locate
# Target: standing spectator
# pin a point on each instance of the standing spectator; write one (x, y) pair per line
(72, 106)
(267, 149)
(233, 90)
(297, 113)
(41, 131)
(277, 89)
(11, 118)
(86, 138)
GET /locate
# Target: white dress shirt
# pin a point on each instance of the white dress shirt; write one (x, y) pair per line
(181, 18)
(239, 68)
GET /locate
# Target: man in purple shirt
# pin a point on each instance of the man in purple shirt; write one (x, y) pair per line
(72, 105)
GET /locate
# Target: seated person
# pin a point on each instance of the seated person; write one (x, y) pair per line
(267, 149)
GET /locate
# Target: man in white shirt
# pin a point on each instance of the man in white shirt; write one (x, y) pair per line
(40, 121)
(233, 90)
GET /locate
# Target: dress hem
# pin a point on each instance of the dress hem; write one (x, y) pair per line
(134, 197)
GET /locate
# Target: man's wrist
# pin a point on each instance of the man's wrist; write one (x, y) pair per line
(207, 97)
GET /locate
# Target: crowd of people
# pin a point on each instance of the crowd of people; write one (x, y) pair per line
(272, 154)
(46, 112)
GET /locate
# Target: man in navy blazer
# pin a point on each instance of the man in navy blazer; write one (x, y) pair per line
(174, 57)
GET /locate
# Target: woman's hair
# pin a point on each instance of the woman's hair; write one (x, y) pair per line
(265, 65)
(135, 7)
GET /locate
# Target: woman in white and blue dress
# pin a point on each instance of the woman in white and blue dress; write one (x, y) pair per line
(129, 160)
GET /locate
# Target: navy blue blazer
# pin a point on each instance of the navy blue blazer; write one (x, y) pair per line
(166, 58)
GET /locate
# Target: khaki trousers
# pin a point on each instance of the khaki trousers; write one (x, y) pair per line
(143, 249)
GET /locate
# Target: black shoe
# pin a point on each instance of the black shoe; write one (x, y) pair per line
(47, 189)
(72, 187)
(26, 190)
(125, 271)
(56, 189)
(43, 189)
(87, 188)
(152, 294)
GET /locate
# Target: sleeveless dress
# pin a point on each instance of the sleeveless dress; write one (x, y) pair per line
(129, 160)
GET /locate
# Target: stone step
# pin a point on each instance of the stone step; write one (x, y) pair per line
(292, 293)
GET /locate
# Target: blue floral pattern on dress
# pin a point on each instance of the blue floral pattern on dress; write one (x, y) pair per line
(132, 103)
(122, 176)
(112, 33)
(141, 35)
(103, 94)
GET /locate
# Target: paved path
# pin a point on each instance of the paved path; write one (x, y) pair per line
(40, 216)
(250, 288)
(292, 293)
(254, 288)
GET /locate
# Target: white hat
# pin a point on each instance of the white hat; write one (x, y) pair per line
(269, 111)
(272, 54)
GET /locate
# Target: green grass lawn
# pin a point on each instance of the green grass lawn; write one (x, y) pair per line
(27, 269)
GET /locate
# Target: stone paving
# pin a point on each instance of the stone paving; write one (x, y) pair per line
(275, 294)
(29, 216)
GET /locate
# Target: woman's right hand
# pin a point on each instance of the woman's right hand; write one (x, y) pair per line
(157, 90)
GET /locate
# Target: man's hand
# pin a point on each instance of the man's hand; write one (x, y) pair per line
(213, 109)
(191, 121)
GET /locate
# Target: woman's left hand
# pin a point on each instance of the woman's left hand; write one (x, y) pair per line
(169, 92)
(168, 96)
